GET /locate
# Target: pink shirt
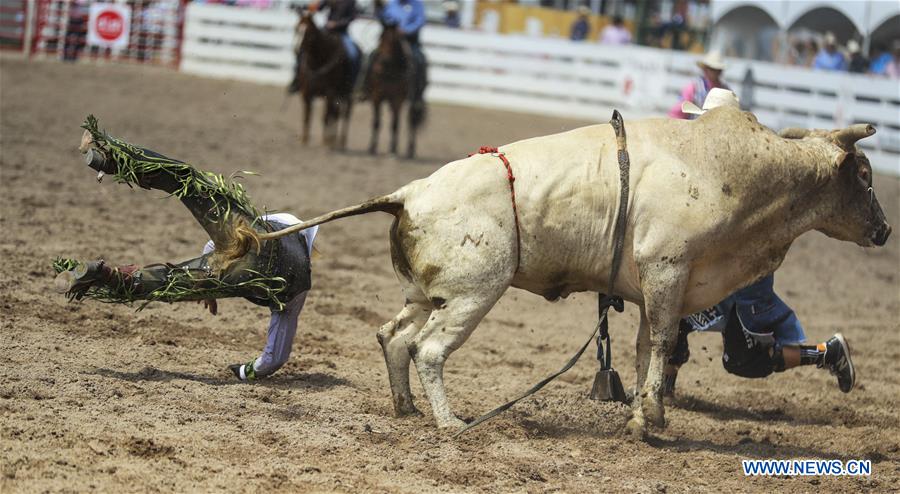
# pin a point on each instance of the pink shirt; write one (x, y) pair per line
(613, 35)
(687, 94)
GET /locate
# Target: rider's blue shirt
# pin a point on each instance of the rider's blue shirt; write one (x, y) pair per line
(408, 15)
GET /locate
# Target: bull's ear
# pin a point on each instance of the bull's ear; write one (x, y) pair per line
(845, 159)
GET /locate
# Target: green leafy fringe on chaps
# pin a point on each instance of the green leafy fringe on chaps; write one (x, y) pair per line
(133, 162)
(174, 291)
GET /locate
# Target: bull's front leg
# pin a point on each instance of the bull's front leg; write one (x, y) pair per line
(642, 357)
(663, 288)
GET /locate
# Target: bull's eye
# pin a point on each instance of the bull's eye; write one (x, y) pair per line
(864, 176)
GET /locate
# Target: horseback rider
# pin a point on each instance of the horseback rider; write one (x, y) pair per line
(760, 333)
(340, 14)
(409, 17)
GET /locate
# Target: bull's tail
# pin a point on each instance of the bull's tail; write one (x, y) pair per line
(391, 203)
(241, 240)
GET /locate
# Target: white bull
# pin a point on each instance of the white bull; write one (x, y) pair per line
(714, 204)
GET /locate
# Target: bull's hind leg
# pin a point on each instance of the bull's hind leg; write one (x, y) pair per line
(394, 338)
(446, 330)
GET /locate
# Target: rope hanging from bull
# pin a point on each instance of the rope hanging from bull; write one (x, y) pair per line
(607, 384)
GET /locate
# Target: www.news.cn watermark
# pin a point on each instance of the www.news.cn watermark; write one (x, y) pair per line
(763, 468)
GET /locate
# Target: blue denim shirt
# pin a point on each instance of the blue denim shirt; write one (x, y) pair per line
(408, 15)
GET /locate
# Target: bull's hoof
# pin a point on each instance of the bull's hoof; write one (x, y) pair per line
(451, 423)
(410, 411)
(405, 408)
(654, 414)
(636, 428)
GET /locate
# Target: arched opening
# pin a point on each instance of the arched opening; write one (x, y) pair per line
(884, 41)
(746, 32)
(887, 32)
(826, 19)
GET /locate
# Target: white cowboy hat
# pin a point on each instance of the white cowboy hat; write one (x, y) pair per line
(712, 60)
(853, 46)
(716, 97)
(451, 6)
(830, 38)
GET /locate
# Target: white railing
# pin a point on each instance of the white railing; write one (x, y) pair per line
(557, 77)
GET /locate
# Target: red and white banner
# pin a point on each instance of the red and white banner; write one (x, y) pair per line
(109, 25)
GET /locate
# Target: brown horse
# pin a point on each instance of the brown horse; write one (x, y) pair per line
(324, 70)
(392, 78)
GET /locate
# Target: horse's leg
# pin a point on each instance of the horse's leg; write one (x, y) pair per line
(329, 122)
(412, 127)
(307, 115)
(346, 110)
(396, 108)
(376, 123)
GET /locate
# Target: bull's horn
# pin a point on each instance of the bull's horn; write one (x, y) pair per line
(794, 133)
(846, 138)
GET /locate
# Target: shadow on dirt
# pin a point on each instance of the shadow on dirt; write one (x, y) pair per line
(159, 375)
(746, 448)
(725, 412)
(308, 380)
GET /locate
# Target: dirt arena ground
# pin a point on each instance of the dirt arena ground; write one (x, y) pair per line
(103, 398)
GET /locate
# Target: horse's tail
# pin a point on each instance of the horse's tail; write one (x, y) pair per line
(247, 237)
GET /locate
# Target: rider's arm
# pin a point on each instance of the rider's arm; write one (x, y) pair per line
(416, 18)
(342, 13)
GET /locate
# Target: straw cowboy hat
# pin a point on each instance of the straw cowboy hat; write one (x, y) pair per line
(716, 97)
(584, 10)
(712, 60)
(451, 6)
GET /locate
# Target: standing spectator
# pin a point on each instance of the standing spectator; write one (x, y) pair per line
(451, 14)
(893, 68)
(880, 60)
(858, 63)
(829, 58)
(581, 28)
(812, 48)
(616, 33)
(696, 91)
(76, 30)
(797, 53)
